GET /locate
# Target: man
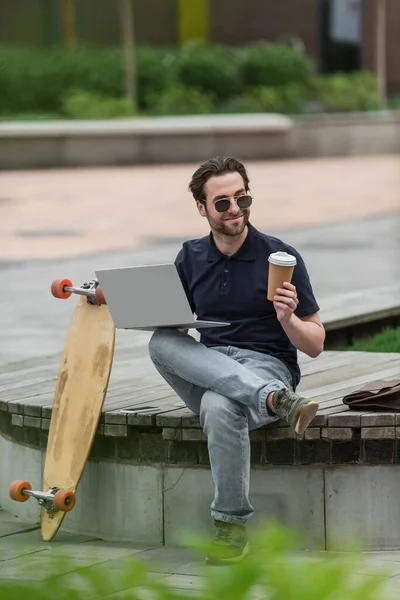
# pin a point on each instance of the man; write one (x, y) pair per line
(243, 376)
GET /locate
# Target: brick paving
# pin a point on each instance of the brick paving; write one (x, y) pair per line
(67, 213)
(341, 214)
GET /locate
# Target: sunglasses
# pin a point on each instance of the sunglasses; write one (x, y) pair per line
(224, 204)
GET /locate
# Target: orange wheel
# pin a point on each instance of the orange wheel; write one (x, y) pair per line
(99, 296)
(64, 500)
(16, 490)
(57, 288)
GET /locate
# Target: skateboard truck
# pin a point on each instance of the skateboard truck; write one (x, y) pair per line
(63, 288)
(53, 500)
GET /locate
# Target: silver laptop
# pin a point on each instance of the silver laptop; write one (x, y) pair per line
(148, 297)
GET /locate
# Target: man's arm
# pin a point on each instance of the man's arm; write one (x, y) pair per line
(306, 333)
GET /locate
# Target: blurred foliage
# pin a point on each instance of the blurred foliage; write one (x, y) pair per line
(155, 72)
(182, 101)
(350, 92)
(273, 65)
(286, 99)
(89, 105)
(273, 570)
(394, 103)
(197, 78)
(209, 68)
(33, 80)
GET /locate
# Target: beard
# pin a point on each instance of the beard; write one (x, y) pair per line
(229, 228)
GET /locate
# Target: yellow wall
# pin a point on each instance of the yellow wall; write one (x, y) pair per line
(193, 20)
(69, 23)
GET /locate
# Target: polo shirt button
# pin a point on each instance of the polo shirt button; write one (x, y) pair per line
(225, 283)
(226, 271)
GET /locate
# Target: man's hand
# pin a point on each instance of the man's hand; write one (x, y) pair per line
(306, 333)
(285, 302)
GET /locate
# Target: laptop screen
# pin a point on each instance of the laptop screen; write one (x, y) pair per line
(145, 296)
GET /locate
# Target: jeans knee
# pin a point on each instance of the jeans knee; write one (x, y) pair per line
(218, 413)
(160, 344)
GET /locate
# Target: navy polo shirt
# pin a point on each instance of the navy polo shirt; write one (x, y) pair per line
(234, 289)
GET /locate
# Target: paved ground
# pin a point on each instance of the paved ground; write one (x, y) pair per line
(342, 214)
(341, 258)
(25, 558)
(69, 212)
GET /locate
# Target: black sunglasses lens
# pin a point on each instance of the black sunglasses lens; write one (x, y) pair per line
(244, 201)
(222, 205)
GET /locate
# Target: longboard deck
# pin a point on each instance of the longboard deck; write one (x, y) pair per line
(81, 388)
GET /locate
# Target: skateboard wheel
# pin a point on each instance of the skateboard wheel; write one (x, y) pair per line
(16, 490)
(99, 296)
(57, 288)
(64, 500)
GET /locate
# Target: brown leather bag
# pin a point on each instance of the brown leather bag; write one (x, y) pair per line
(378, 395)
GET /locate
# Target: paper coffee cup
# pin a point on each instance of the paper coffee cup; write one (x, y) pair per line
(281, 267)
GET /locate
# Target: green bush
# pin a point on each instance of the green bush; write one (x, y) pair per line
(394, 102)
(29, 116)
(182, 101)
(155, 73)
(38, 80)
(102, 71)
(89, 105)
(198, 78)
(273, 65)
(347, 92)
(287, 99)
(271, 571)
(33, 80)
(210, 69)
(23, 81)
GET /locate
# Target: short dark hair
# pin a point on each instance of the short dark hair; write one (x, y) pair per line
(212, 167)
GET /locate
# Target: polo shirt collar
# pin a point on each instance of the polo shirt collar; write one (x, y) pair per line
(247, 250)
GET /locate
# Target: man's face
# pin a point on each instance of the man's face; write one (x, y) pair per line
(233, 221)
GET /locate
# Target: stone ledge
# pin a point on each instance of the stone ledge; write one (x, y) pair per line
(337, 433)
(187, 446)
(189, 139)
(378, 420)
(172, 496)
(378, 433)
(312, 433)
(355, 118)
(193, 124)
(338, 427)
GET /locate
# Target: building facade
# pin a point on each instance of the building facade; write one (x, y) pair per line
(337, 34)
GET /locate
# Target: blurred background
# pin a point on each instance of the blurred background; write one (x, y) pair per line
(107, 107)
(197, 56)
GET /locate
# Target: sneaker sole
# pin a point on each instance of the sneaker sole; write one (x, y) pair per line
(306, 414)
(229, 561)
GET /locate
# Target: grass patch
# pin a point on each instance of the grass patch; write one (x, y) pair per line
(387, 340)
(30, 116)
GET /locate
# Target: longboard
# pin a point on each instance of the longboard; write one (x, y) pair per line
(81, 388)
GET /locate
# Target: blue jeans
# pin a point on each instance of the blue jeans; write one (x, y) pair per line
(228, 387)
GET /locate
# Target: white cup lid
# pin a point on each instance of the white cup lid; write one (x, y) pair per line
(282, 259)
